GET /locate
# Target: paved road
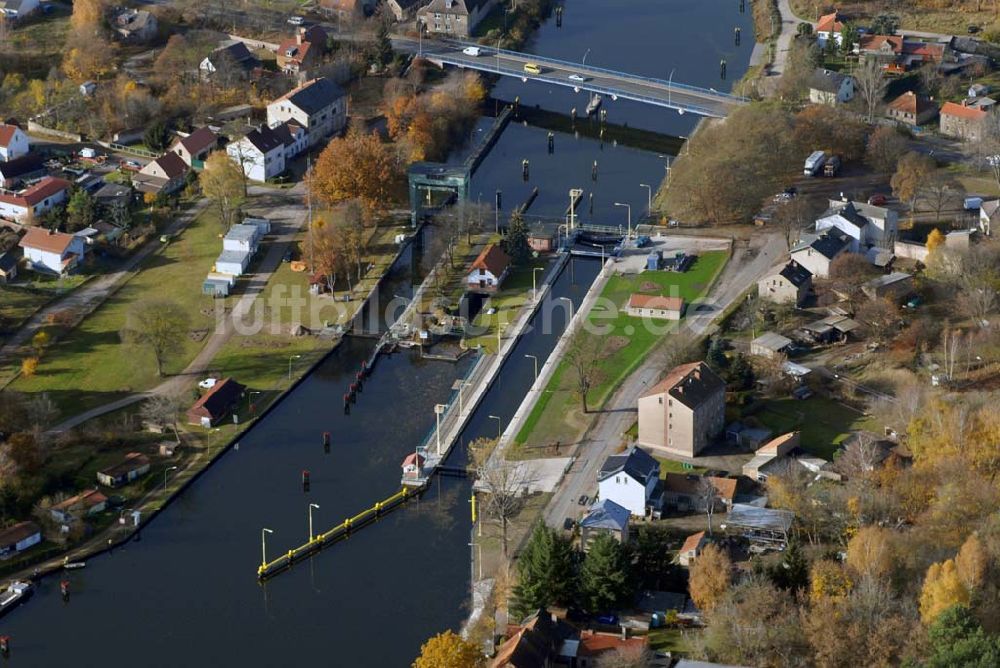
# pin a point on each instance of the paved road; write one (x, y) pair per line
(706, 102)
(748, 264)
(789, 23)
(288, 215)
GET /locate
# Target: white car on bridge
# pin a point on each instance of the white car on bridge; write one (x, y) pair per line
(471, 50)
(577, 77)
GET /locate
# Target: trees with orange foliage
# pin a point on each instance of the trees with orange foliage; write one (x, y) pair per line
(448, 650)
(359, 167)
(87, 14)
(934, 240)
(710, 576)
(870, 552)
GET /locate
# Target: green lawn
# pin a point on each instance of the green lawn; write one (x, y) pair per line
(824, 422)
(516, 293)
(625, 342)
(668, 640)
(672, 466)
(90, 366)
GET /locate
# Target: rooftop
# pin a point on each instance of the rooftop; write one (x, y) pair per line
(46, 240)
(17, 533)
(606, 514)
(796, 274)
(691, 384)
(493, 259)
(314, 96)
(772, 341)
(635, 462)
(656, 302)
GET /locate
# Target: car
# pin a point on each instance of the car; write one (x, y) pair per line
(973, 30)
(582, 500)
(577, 77)
(609, 619)
(471, 51)
(288, 256)
(208, 383)
(877, 199)
(532, 68)
(295, 20)
(569, 523)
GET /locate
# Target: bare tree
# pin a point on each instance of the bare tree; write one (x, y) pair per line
(163, 409)
(859, 457)
(582, 354)
(707, 494)
(630, 656)
(939, 190)
(791, 218)
(501, 482)
(870, 82)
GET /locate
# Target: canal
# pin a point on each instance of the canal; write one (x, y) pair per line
(186, 594)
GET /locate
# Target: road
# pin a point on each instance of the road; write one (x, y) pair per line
(671, 94)
(287, 217)
(747, 265)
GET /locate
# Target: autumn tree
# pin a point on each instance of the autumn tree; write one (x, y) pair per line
(358, 166)
(828, 579)
(940, 190)
(29, 366)
(912, 173)
(448, 650)
(163, 409)
(885, 147)
(40, 341)
(880, 316)
(710, 576)
(502, 483)
(839, 131)
(159, 325)
(871, 553)
(324, 256)
(87, 14)
(222, 183)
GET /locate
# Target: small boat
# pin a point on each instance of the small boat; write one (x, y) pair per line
(594, 104)
(73, 565)
(16, 593)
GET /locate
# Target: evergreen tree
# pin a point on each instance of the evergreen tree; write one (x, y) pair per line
(741, 373)
(515, 243)
(545, 573)
(653, 557)
(605, 577)
(792, 572)
(156, 136)
(383, 46)
(958, 639)
(716, 356)
(80, 210)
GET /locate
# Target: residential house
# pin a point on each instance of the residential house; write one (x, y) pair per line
(655, 306)
(865, 224)
(897, 54)
(770, 345)
(454, 18)
(540, 641)
(18, 9)
(133, 466)
(912, 109)
(683, 413)
(216, 404)
(301, 53)
(52, 252)
(789, 285)
(261, 154)
(830, 26)
(964, 121)
(319, 106)
(294, 138)
(989, 213)
(231, 59)
(779, 454)
(13, 142)
(629, 479)
(413, 466)
(110, 195)
(816, 252)
(19, 538)
(488, 271)
(77, 507)
(835, 327)
(35, 200)
(194, 148)
(692, 548)
(135, 25)
(164, 175)
(894, 286)
(605, 517)
(20, 170)
(403, 10)
(687, 492)
(8, 266)
(830, 88)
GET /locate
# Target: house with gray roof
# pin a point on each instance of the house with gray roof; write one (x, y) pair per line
(605, 517)
(454, 18)
(261, 153)
(830, 88)
(231, 57)
(815, 252)
(629, 479)
(867, 225)
(318, 106)
(789, 285)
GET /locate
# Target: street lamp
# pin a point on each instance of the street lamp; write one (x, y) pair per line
(263, 546)
(311, 534)
(535, 359)
(498, 54)
(172, 468)
(290, 358)
(534, 290)
(499, 426)
(210, 432)
(649, 197)
(438, 410)
(585, 57)
(629, 207)
(253, 408)
(670, 86)
(569, 303)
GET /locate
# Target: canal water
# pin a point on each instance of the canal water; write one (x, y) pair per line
(186, 594)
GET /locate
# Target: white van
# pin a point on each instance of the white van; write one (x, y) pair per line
(471, 50)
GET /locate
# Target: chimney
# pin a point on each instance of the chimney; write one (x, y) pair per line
(624, 633)
(299, 34)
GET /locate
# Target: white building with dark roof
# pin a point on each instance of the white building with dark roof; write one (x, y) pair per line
(816, 252)
(867, 225)
(789, 285)
(830, 88)
(629, 479)
(261, 154)
(318, 106)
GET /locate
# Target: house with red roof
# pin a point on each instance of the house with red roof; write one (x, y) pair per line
(216, 404)
(830, 26)
(13, 142)
(965, 121)
(655, 306)
(488, 270)
(164, 175)
(79, 506)
(899, 54)
(299, 54)
(52, 252)
(692, 547)
(912, 109)
(34, 200)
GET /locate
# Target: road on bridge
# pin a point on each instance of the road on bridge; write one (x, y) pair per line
(671, 94)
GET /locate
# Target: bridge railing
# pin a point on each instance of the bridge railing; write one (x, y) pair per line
(591, 86)
(617, 73)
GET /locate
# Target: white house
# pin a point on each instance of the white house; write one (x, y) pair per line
(830, 88)
(865, 224)
(989, 212)
(830, 26)
(79, 506)
(294, 137)
(54, 252)
(165, 174)
(261, 154)
(19, 538)
(655, 306)
(34, 201)
(319, 106)
(816, 252)
(18, 9)
(692, 548)
(629, 479)
(13, 142)
(488, 270)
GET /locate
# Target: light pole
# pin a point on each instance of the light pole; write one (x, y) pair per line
(629, 207)
(535, 359)
(534, 290)
(210, 432)
(649, 197)
(311, 534)
(438, 410)
(165, 472)
(499, 427)
(263, 546)
(584, 63)
(670, 87)
(253, 407)
(569, 303)
(290, 358)
(498, 54)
